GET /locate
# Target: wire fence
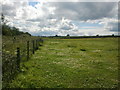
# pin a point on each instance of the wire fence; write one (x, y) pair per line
(11, 63)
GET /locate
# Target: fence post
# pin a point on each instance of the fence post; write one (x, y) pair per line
(18, 58)
(42, 40)
(27, 50)
(33, 47)
(36, 45)
(39, 42)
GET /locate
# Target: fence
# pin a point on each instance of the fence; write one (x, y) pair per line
(29, 51)
(11, 63)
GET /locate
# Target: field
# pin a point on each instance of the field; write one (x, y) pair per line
(71, 63)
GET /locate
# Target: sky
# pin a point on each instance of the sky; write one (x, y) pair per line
(60, 17)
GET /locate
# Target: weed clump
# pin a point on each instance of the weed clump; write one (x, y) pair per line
(82, 49)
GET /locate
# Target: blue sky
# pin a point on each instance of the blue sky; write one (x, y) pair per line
(33, 3)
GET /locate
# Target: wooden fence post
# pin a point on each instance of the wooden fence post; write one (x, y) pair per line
(27, 50)
(18, 58)
(39, 42)
(33, 47)
(36, 45)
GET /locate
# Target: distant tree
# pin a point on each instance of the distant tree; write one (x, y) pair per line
(56, 35)
(68, 35)
(97, 35)
(113, 35)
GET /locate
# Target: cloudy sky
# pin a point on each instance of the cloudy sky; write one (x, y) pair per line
(53, 17)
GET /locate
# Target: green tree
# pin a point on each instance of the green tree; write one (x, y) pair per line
(68, 35)
(56, 35)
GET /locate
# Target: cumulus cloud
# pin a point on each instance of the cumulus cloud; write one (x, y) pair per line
(85, 10)
(51, 18)
(9, 8)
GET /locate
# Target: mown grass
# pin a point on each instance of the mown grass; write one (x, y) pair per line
(71, 63)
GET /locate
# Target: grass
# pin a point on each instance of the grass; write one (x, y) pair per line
(9, 54)
(71, 63)
(9, 44)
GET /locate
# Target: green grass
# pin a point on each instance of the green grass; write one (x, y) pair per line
(9, 45)
(9, 54)
(71, 63)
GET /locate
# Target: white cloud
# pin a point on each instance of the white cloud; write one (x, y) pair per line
(110, 24)
(85, 10)
(57, 18)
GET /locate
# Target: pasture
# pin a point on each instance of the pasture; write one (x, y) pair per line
(71, 63)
